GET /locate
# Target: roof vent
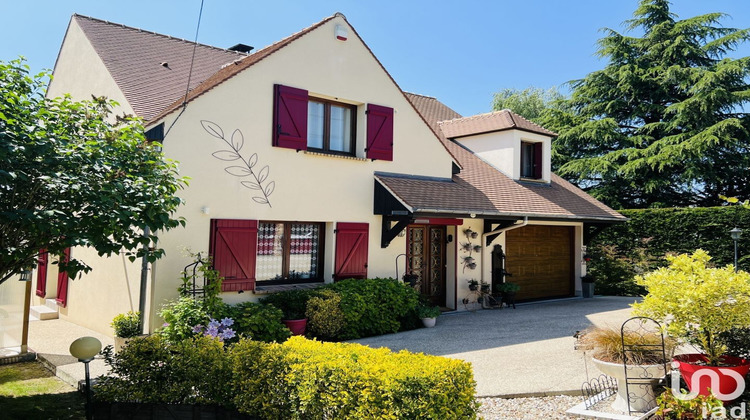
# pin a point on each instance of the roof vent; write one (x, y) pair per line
(243, 48)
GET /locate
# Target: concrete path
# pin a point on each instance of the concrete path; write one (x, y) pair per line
(526, 351)
(51, 340)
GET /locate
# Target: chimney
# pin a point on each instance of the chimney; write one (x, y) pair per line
(243, 48)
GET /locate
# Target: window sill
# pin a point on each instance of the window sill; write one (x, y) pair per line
(533, 180)
(273, 288)
(333, 155)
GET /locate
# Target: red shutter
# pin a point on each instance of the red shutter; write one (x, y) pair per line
(41, 273)
(351, 251)
(379, 132)
(289, 117)
(538, 160)
(233, 247)
(62, 281)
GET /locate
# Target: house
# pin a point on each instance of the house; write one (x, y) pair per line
(309, 164)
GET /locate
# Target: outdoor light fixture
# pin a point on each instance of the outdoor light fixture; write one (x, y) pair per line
(25, 275)
(736, 233)
(84, 349)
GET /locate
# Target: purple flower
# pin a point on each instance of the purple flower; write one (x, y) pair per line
(198, 328)
(227, 322)
(227, 334)
(166, 324)
(212, 331)
(214, 323)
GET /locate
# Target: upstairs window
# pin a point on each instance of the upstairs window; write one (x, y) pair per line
(531, 160)
(331, 126)
(301, 121)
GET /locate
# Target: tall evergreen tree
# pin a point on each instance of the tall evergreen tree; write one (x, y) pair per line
(664, 123)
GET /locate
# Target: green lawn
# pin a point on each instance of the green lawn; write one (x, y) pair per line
(30, 391)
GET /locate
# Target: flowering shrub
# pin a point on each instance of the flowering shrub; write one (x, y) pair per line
(217, 329)
(180, 317)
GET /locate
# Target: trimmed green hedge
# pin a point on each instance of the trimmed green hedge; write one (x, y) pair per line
(625, 250)
(375, 307)
(298, 379)
(154, 370)
(302, 379)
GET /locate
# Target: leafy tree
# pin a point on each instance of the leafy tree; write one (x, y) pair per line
(663, 123)
(70, 175)
(529, 103)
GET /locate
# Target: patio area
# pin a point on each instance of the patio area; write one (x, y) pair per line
(528, 351)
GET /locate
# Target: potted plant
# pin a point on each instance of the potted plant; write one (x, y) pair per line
(587, 284)
(428, 315)
(473, 284)
(126, 326)
(411, 279)
(293, 304)
(699, 303)
(647, 363)
(508, 291)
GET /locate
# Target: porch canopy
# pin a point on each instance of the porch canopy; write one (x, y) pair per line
(403, 199)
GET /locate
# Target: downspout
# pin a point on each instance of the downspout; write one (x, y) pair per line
(501, 230)
(144, 280)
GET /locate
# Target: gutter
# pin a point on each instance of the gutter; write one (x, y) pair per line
(537, 216)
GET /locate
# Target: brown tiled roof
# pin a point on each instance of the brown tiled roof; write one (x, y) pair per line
(485, 190)
(486, 123)
(230, 71)
(134, 59)
(426, 194)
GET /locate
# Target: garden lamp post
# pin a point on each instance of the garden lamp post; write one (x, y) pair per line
(736, 232)
(84, 349)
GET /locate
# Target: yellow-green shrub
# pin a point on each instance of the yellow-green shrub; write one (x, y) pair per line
(697, 301)
(310, 379)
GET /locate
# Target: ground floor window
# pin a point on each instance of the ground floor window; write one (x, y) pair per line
(289, 251)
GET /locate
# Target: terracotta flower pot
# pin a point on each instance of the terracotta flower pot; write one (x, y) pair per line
(699, 378)
(296, 326)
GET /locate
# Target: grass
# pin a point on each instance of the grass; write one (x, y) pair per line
(30, 391)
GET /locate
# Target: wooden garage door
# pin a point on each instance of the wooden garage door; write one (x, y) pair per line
(540, 260)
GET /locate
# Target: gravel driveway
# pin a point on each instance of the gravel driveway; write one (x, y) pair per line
(520, 352)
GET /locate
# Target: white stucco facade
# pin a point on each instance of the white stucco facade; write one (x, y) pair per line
(309, 187)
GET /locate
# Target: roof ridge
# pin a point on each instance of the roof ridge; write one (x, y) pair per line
(132, 28)
(419, 94)
(476, 116)
(512, 120)
(515, 114)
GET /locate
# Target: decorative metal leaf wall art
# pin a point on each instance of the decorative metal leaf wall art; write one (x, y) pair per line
(245, 167)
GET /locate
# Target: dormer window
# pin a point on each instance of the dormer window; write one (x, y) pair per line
(330, 126)
(531, 160)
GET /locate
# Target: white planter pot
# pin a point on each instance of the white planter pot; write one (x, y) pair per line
(642, 379)
(429, 322)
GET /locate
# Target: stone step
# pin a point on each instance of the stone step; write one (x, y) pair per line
(43, 312)
(51, 303)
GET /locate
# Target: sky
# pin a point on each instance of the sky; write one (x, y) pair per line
(460, 52)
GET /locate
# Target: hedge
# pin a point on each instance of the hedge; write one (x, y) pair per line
(154, 370)
(302, 379)
(375, 307)
(624, 250)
